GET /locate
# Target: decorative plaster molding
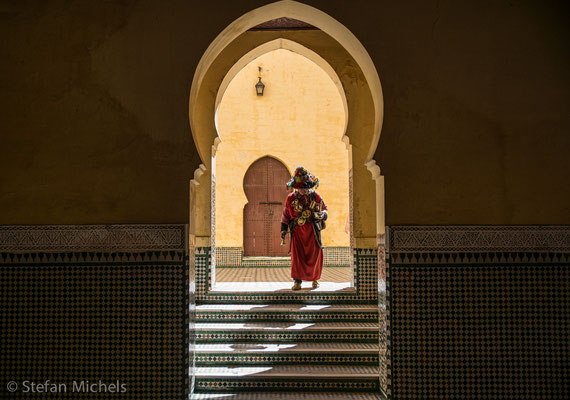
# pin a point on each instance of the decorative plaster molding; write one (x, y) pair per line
(451, 239)
(198, 174)
(373, 168)
(217, 141)
(59, 238)
(379, 188)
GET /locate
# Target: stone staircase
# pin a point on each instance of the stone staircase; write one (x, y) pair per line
(286, 351)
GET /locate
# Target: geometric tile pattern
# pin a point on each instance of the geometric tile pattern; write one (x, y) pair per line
(386, 318)
(233, 257)
(92, 258)
(473, 238)
(80, 311)
(472, 258)
(336, 256)
(285, 336)
(191, 342)
(478, 312)
(245, 316)
(60, 238)
(203, 263)
(229, 256)
(382, 318)
(277, 274)
(303, 383)
(297, 395)
(284, 359)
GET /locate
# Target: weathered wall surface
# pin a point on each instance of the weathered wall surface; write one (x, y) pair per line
(299, 120)
(476, 111)
(95, 124)
(94, 112)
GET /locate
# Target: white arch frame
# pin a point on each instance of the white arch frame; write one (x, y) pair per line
(310, 15)
(321, 20)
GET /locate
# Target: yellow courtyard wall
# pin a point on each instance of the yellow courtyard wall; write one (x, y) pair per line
(299, 121)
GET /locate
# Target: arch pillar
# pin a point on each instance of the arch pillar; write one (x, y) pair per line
(380, 197)
(199, 229)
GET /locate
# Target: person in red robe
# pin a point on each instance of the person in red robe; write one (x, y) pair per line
(304, 216)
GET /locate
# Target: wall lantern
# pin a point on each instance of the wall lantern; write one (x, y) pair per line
(259, 86)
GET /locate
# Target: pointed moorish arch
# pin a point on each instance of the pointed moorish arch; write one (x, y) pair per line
(285, 44)
(358, 77)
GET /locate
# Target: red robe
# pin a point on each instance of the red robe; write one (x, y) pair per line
(306, 254)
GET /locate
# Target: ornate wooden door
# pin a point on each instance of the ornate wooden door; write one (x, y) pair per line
(266, 192)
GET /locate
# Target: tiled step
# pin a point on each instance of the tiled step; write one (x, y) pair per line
(258, 350)
(290, 332)
(287, 396)
(287, 353)
(287, 378)
(288, 312)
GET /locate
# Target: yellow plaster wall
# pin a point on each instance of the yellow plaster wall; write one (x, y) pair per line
(299, 120)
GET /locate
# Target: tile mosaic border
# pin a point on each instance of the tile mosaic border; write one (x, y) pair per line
(477, 245)
(217, 359)
(474, 259)
(272, 384)
(383, 321)
(93, 258)
(245, 316)
(480, 238)
(228, 257)
(59, 238)
(285, 336)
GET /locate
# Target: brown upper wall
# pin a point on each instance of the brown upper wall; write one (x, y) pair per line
(94, 100)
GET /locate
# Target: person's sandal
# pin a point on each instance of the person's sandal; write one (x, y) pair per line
(296, 286)
(315, 284)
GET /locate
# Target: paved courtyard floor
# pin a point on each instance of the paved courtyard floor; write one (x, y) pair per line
(276, 274)
(271, 279)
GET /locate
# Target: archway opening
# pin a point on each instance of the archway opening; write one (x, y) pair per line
(358, 78)
(300, 120)
(341, 51)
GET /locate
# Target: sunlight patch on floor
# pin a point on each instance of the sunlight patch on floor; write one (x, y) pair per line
(263, 348)
(278, 286)
(308, 308)
(249, 325)
(232, 371)
(232, 307)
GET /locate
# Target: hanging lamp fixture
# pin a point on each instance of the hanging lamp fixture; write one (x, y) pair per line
(259, 86)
